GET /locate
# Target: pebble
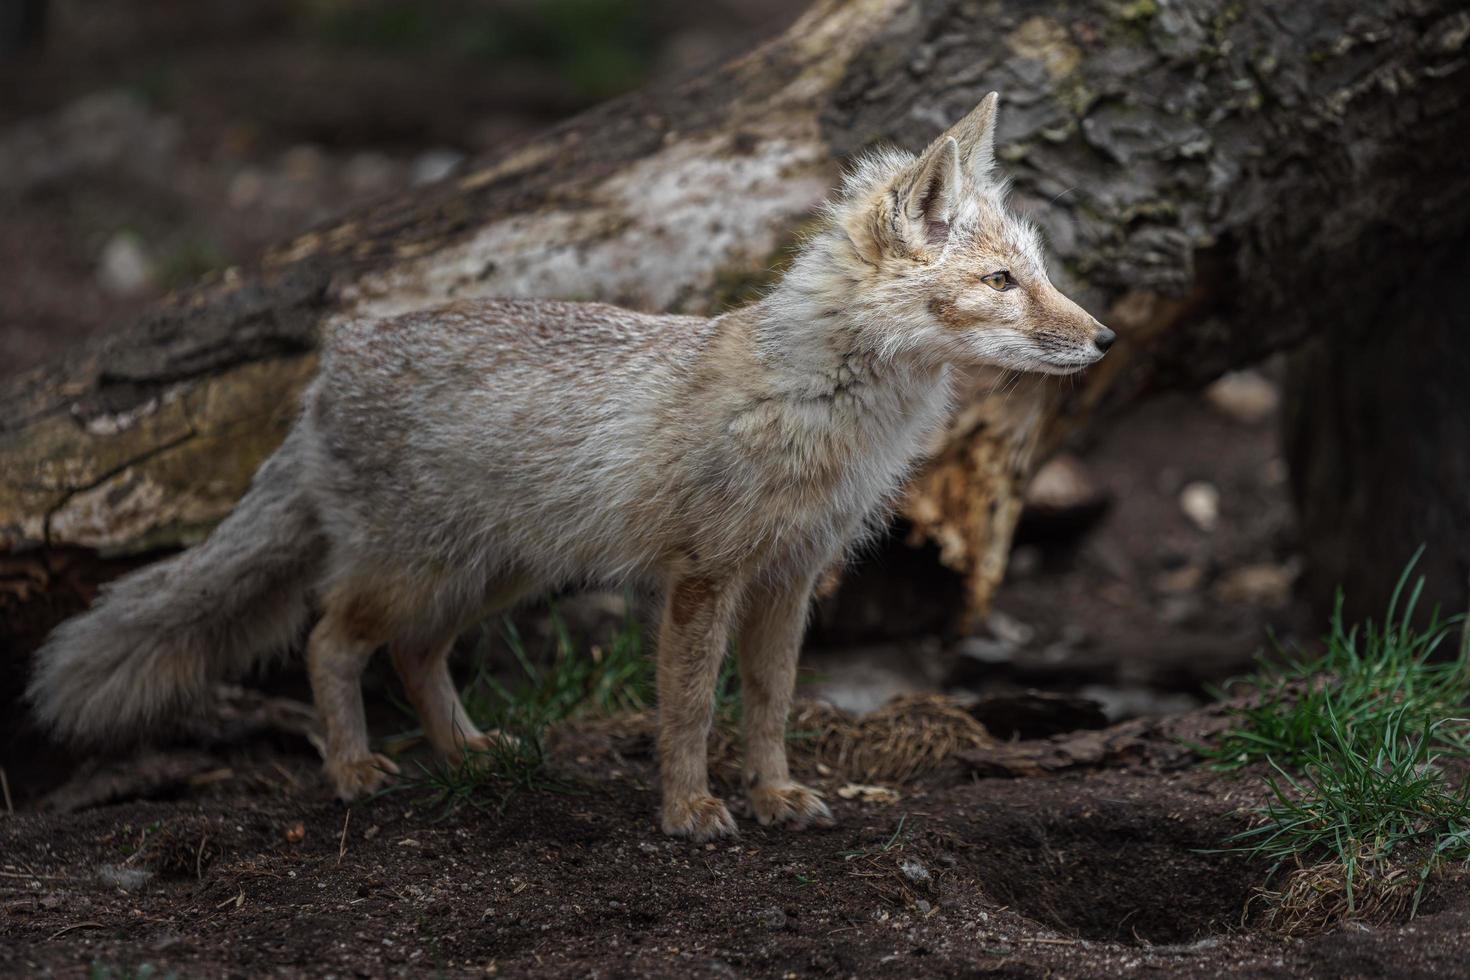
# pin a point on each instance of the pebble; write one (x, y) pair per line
(1009, 629)
(128, 879)
(773, 918)
(434, 165)
(1261, 584)
(123, 268)
(1245, 396)
(1200, 502)
(987, 651)
(914, 871)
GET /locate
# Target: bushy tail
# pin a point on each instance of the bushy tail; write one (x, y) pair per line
(157, 640)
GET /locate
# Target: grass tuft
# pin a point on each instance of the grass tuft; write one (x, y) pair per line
(567, 682)
(1361, 809)
(1364, 675)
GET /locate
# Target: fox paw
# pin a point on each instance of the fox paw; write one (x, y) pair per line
(791, 805)
(356, 778)
(699, 818)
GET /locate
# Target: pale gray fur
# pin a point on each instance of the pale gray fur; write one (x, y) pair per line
(558, 443)
(154, 641)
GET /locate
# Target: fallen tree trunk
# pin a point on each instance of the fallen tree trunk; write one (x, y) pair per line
(1217, 181)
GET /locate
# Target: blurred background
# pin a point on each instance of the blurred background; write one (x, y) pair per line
(144, 143)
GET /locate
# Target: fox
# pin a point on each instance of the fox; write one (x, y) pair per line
(447, 463)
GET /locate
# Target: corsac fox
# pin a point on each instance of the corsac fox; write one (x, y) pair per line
(451, 461)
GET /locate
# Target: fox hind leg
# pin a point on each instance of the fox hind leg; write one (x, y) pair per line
(430, 689)
(423, 668)
(336, 654)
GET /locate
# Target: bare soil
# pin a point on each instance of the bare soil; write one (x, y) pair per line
(254, 871)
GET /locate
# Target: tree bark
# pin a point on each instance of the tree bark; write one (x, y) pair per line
(1377, 439)
(1217, 180)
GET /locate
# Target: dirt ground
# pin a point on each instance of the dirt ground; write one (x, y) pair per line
(1091, 874)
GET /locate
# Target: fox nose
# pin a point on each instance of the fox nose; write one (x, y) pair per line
(1104, 339)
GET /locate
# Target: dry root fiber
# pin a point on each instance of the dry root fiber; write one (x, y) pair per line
(906, 738)
(1311, 899)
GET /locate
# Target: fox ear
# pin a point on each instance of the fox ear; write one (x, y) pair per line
(976, 136)
(927, 199)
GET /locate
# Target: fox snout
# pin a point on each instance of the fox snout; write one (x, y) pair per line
(1063, 336)
(1097, 340)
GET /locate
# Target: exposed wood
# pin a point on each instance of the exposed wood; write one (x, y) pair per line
(1151, 743)
(1214, 179)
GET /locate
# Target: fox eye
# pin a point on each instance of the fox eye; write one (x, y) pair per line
(1000, 281)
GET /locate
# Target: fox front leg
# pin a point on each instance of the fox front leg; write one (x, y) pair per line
(768, 645)
(698, 614)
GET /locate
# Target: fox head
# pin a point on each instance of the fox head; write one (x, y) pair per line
(925, 259)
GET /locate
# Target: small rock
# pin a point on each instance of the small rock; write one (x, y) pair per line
(128, 879)
(923, 907)
(123, 268)
(1263, 584)
(1063, 501)
(434, 165)
(647, 848)
(986, 650)
(1010, 629)
(773, 918)
(1061, 484)
(1245, 396)
(914, 871)
(1200, 502)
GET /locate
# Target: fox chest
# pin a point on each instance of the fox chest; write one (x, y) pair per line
(804, 477)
